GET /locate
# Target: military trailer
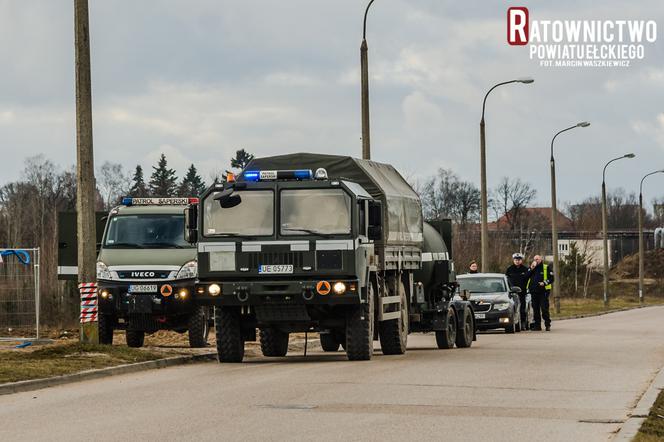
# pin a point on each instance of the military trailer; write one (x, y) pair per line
(326, 243)
(146, 273)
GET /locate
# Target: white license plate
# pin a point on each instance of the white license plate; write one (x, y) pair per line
(480, 316)
(276, 269)
(143, 288)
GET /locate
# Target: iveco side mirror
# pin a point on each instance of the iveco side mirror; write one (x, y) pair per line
(190, 224)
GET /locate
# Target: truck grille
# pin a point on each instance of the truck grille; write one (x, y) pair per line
(275, 258)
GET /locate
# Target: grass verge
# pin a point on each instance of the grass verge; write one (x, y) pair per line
(581, 306)
(652, 428)
(57, 360)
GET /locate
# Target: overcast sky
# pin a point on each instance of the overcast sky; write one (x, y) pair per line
(199, 79)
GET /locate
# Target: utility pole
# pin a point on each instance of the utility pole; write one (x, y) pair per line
(85, 179)
(364, 71)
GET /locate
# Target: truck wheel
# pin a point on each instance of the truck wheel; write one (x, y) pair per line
(198, 327)
(464, 337)
(393, 334)
(359, 329)
(230, 345)
(329, 342)
(445, 338)
(105, 325)
(135, 338)
(274, 342)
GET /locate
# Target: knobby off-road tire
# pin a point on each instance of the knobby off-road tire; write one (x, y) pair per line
(359, 329)
(135, 338)
(105, 325)
(329, 342)
(446, 338)
(466, 330)
(230, 345)
(274, 342)
(198, 327)
(393, 334)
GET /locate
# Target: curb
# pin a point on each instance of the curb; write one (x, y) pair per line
(590, 315)
(38, 384)
(639, 414)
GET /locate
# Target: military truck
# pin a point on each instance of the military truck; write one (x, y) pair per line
(146, 273)
(326, 243)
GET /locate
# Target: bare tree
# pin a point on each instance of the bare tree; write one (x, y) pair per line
(113, 182)
(446, 196)
(510, 198)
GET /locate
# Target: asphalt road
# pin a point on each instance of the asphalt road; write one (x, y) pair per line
(578, 382)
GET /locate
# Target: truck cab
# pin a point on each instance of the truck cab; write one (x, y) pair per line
(146, 272)
(332, 247)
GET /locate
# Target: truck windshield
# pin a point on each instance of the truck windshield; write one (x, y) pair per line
(254, 216)
(146, 232)
(482, 285)
(315, 211)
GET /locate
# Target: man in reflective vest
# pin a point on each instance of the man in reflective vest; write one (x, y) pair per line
(539, 286)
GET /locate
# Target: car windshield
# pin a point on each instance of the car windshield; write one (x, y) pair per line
(315, 211)
(254, 216)
(482, 285)
(146, 232)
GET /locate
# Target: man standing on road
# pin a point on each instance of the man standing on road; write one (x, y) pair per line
(518, 275)
(539, 285)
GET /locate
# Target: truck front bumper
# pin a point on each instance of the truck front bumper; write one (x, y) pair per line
(115, 298)
(311, 292)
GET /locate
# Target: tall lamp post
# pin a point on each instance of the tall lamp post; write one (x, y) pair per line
(605, 228)
(641, 248)
(364, 70)
(554, 216)
(483, 190)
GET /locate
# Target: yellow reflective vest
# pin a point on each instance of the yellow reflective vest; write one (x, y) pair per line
(546, 277)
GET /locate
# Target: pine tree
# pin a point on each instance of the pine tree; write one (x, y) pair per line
(163, 180)
(192, 184)
(242, 158)
(138, 188)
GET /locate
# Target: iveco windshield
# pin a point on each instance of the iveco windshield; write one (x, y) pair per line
(315, 211)
(146, 231)
(254, 216)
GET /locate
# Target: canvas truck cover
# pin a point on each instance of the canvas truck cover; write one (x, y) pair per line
(402, 208)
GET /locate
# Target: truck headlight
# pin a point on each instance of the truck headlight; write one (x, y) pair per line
(102, 271)
(214, 289)
(188, 270)
(339, 288)
(501, 306)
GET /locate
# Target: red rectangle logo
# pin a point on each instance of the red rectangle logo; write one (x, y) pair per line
(517, 26)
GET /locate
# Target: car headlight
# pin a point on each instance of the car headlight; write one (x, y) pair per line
(188, 270)
(501, 306)
(102, 271)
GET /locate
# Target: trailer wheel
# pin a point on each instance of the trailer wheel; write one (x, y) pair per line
(105, 329)
(198, 327)
(359, 329)
(274, 342)
(445, 338)
(135, 338)
(393, 334)
(464, 338)
(230, 345)
(329, 342)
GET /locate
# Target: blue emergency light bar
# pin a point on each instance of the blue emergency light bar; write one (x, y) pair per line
(129, 201)
(271, 175)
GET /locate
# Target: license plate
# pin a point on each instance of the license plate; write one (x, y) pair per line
(288, 268)
(143, 288)
(480, 316)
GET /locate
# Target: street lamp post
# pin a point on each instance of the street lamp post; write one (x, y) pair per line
(483, 190)
(605, 232)
(364, 72)
(554, 216)
(641, 247)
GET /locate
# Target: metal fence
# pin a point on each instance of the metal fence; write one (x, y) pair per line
(19, 293)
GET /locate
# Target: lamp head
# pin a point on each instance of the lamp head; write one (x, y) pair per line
(583, 124)
(629, 155)
(526, 80)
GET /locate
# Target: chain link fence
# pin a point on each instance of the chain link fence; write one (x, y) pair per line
(19, 293)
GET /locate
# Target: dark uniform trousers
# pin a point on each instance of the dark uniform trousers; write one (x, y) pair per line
(540, 301)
